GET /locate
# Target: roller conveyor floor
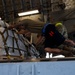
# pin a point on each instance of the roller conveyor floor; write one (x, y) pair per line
(20, 59)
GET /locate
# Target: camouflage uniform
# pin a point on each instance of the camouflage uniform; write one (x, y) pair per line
(66, 46)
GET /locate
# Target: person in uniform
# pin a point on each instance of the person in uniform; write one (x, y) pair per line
(53, 38)
(67, 46)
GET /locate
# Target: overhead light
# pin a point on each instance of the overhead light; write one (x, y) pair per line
(28, 13)
(0, 18)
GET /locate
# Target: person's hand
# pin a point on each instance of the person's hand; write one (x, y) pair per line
(11, 27)
(70, 42)
(21, 32)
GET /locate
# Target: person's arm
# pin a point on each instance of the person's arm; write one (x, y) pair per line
(39, 40)
(32, 25)
(70, 42)
(58, 51)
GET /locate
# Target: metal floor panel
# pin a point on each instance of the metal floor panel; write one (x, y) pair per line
(43, 67)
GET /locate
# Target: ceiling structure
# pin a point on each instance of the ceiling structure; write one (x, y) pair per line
(53, 9)
(10, 8)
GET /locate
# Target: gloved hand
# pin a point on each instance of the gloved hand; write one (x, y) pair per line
(69, 42)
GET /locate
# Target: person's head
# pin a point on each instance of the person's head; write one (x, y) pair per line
(58, 24)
